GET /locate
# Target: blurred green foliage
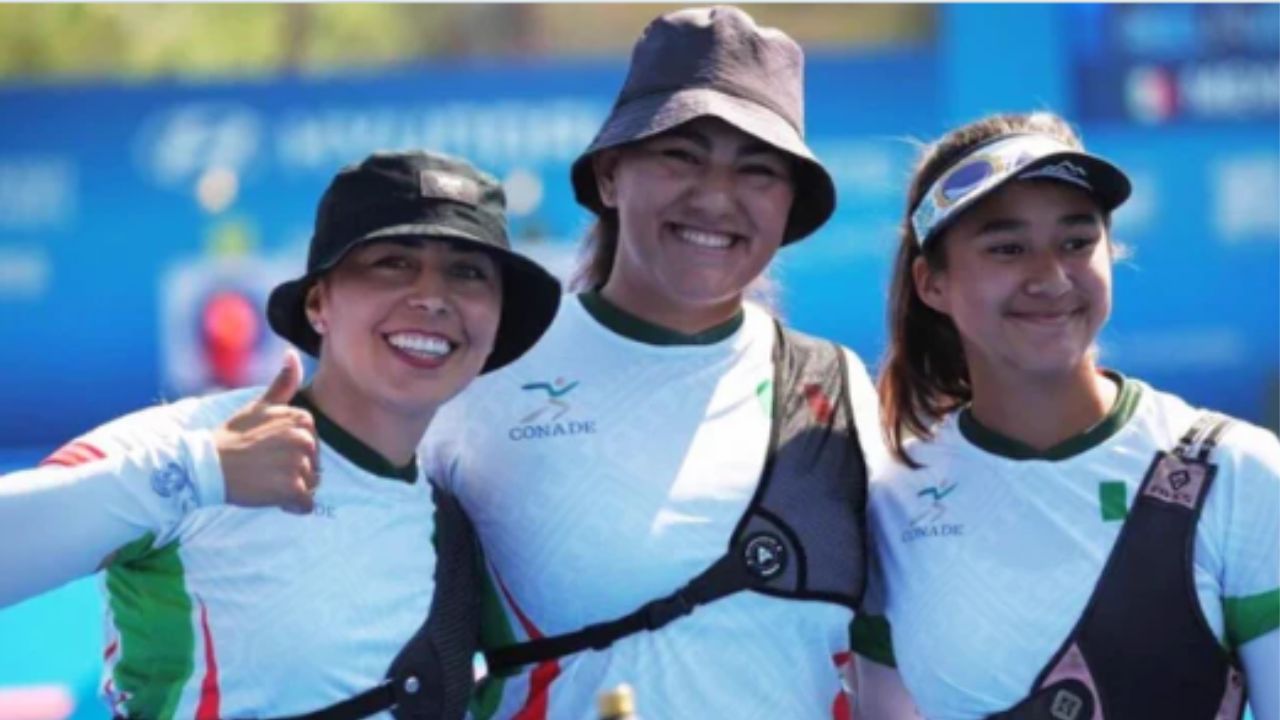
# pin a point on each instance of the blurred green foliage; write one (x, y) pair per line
(147, 41)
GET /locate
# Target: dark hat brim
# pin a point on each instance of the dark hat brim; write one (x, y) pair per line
(1107, 183)
(530, 296)
(815, 192)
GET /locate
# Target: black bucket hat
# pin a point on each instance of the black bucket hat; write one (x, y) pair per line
(716, 62)
(420, 194)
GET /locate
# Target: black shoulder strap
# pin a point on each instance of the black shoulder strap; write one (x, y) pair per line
(368, 703)
(432, 676)
(756, 558)
(1141, 647)
(724, 577)
(803, 549)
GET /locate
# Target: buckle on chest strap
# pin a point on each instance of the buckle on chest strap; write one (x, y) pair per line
(661, 612)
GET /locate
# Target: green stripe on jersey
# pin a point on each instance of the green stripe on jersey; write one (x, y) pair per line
(152, 613)
(869, 637)
(1112, 500)
(351, 447)
(1251, 616)
(993, 442)
(495, 631)
(636, 328)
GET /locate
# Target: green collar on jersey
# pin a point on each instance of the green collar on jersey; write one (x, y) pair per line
(997, 444)
(350, 447)
(629, 326)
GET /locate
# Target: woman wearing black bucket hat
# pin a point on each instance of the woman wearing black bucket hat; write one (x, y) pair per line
(1061, 542)
(670, 485)
(363, 597)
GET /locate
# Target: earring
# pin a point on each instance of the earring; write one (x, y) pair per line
(318, 325)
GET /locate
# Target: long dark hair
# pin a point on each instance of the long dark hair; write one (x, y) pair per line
(924, 374)
(598, 251)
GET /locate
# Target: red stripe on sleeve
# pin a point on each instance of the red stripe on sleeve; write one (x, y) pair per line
(76, 452)
(210, 695)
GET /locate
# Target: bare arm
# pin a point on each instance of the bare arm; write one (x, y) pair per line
(879, 693)
(1261, 659)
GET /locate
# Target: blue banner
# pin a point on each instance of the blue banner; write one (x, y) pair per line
(142, 226)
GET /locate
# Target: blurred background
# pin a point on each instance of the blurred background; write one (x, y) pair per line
(160, 165)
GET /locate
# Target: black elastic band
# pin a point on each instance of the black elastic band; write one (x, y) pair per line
(1212, 435)
(727, 576)
(370, 702)
(1188, 440)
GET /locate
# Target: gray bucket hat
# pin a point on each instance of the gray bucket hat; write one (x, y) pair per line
(716, 62)
(429, 195)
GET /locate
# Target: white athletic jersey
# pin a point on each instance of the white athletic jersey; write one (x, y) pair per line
(602, 472)
(216, 611)
(986, 561)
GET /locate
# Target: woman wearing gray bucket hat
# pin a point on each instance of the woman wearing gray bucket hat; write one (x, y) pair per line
(1059, 541)
(670, 485)
(362, 598)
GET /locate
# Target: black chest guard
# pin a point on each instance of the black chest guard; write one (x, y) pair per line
(802, 536)
(1142, 649)
(432, 677)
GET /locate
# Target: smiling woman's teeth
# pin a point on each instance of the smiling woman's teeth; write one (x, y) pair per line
(704, 239)
(431, 346)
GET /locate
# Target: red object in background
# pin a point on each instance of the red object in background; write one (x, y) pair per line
(1152, 94)
(230, 329)
(36, 702)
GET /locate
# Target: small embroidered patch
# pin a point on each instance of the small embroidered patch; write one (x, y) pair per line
(1112, 500)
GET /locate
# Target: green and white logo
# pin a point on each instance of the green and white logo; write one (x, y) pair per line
(928, 522)
(547, 419)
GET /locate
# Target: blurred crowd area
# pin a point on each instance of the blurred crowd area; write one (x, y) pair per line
(160, 164)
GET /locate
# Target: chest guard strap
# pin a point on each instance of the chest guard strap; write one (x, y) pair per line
(1142, 648)
(803, 533)
(432, 676)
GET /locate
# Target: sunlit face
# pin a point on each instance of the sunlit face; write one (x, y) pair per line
(1027, 280)
(407, 324)
(701, 211)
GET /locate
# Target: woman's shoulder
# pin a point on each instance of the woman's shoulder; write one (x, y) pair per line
(1252, 451)
(160, 425)
(1170, 416)
(929, 456)
(195, 412)
(944, 444)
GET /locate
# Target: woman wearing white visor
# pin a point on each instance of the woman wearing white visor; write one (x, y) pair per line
(1060, 542)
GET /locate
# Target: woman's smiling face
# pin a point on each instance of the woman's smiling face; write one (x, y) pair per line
(1027, 278)
(407, 323)
(702, 209)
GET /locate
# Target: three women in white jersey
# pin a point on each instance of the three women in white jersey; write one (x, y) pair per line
(632, 451)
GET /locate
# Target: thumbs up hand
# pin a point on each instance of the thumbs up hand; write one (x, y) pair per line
(268, 448)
